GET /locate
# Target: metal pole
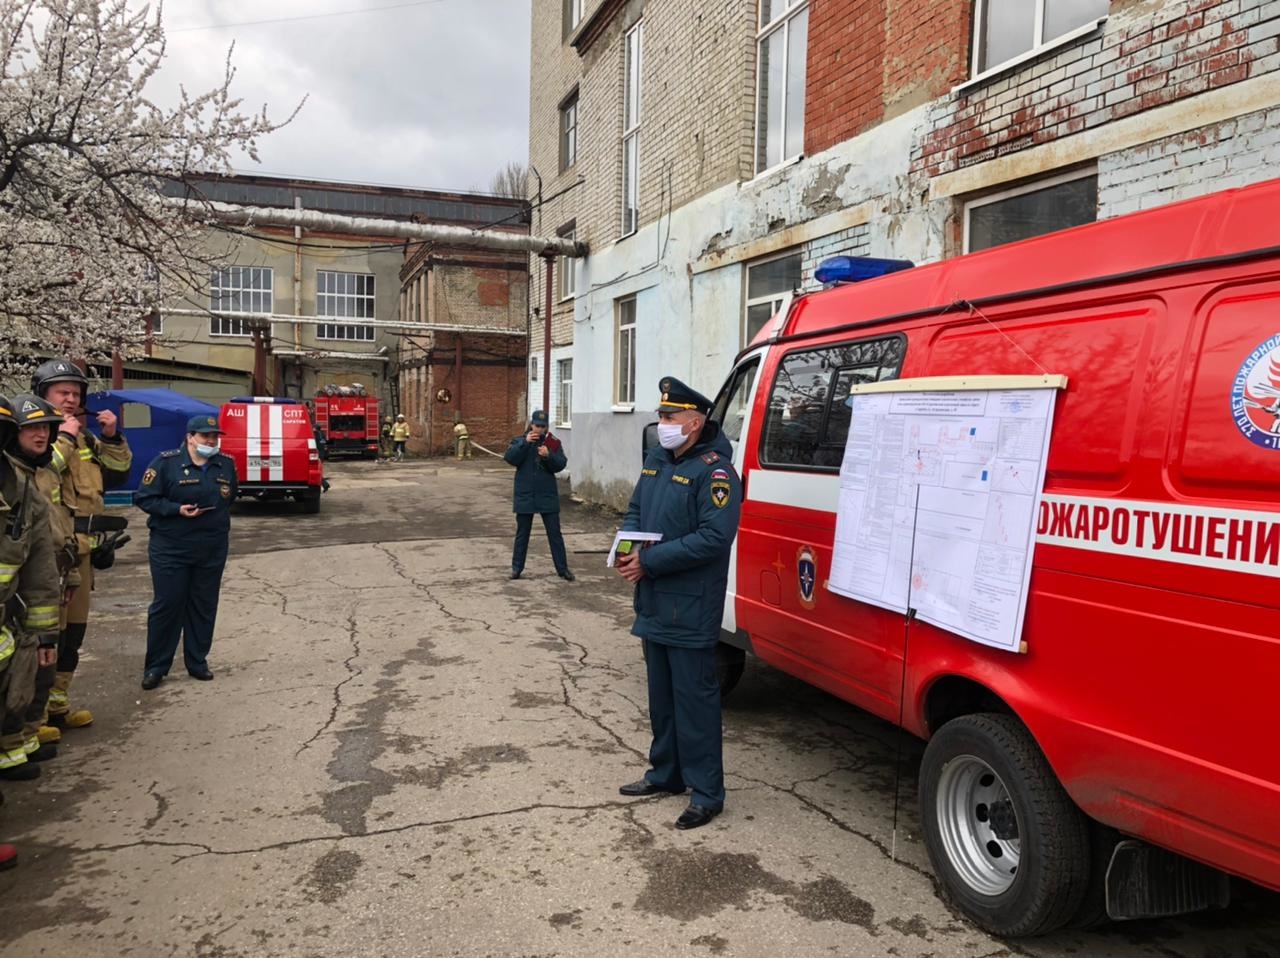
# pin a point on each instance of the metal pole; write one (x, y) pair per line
(117, 370)
(457, 378)
(546, 342)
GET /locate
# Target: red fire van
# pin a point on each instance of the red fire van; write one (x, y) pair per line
(1130, 746)
(273, 445)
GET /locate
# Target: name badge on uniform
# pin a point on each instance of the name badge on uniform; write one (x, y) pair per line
(683, 480)
(188, 482)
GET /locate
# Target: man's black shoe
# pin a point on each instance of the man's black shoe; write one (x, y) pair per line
(20, 773)
(568, 576)
(204, 675)
(695, 816)
(515, 573)
(646, 787)
(151, 680)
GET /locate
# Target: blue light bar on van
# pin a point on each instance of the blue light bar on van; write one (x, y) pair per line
(273, 400)
(854, 269)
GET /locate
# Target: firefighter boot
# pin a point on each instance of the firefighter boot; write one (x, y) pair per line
(61, 715)
(48, 734)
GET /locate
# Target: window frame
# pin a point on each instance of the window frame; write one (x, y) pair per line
(1030, 186)
(762, 451)
(748, 302)
(566, 278)
(623, 402)
(572, 13)
(235, 323)
(763, 32)
(1036, 49)
(564, 404)
(568, 156)
(632, 110)
(357, 332)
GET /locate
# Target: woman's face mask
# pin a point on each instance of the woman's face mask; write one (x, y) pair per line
(206, 450)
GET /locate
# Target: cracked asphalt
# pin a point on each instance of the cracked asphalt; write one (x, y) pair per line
(404, 753)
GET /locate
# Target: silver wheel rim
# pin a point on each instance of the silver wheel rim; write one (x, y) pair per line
(978, 825)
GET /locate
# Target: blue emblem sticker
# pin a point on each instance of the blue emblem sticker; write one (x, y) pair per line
(807, 576)
(1255, 395)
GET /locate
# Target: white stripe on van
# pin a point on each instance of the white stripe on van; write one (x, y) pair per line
(276, 445)
(252, 442)
(1210, 537)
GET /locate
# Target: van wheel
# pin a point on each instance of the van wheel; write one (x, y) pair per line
(311, 502)
(730, 662)
(1008, 845)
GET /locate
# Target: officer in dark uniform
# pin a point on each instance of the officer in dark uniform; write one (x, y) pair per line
(188, 493)
(689, 492)
(537, 456)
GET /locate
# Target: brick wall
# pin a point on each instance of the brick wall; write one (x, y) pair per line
(1223, 156)
(1144, 56)
(850, 242)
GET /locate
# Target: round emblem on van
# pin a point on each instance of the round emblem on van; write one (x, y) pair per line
(1255, 395)
(807, 577)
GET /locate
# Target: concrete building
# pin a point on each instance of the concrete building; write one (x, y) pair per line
(725, 149)
(324, 294)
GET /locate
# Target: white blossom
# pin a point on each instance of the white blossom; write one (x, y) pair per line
(87, 242)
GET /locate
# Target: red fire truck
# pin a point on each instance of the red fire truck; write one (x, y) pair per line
(348, 417)
(1132, 745)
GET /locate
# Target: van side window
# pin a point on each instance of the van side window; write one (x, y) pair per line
(808, 417)
(731, 405)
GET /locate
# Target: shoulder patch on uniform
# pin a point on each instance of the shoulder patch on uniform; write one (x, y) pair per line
(721, 492)
(711, 457)
(720, 474)
(148, 477)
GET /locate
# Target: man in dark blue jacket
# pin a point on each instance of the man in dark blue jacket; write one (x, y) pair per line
(689, 492)
(537, 456)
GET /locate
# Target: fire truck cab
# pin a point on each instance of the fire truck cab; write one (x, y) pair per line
(1126, 761)
(273, 444)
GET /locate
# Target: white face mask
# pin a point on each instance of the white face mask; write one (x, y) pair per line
(671, 435)
(207, 451)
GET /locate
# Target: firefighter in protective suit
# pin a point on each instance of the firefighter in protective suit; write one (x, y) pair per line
(30, 593)
(30, 453)
(88, 466)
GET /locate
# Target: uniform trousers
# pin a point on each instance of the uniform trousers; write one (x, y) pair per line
(524, 527)
(186, 577)
(684, 712)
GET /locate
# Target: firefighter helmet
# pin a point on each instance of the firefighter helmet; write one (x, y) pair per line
(31, 410)
(57, 371)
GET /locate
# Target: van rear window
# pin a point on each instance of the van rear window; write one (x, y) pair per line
(808, 415)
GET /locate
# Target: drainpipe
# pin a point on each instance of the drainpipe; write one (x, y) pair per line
(297, 293)
(546, 341)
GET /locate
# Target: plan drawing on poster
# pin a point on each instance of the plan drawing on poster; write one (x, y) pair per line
(938, 493)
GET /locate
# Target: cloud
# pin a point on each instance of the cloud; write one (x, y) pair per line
(432, 96)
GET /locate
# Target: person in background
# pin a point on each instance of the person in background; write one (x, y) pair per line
(689, 492)
(537, 456)
(462, 436)
(384, 440)
(187, 493)
(89, 465)
(400, 434)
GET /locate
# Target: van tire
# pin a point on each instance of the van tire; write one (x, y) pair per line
(311, 502)
(971, 842)
(730, 663)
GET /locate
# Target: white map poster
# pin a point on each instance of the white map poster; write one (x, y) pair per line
(939, 491)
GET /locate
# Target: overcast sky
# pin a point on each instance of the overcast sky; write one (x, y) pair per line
(433, 93)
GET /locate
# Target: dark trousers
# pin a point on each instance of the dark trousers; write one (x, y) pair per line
(524, 526)
(186, 580)
(684, 712)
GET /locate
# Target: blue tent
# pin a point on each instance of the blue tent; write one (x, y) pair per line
(163, 426)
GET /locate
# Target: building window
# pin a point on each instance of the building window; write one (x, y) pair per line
(1007, 30)
(781, 51)
(573, 10)
(569, 131)
(633, 61)
(238, 289)
(565, 279)
(768, 283)
(345, 295)
(533, 369)
(564, 392)
(1031, 210)
(625, 353)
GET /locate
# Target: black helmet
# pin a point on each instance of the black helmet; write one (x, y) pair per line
(57, 371)
(31, 410)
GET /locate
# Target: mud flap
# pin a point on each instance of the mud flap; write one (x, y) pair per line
(1148, 882)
